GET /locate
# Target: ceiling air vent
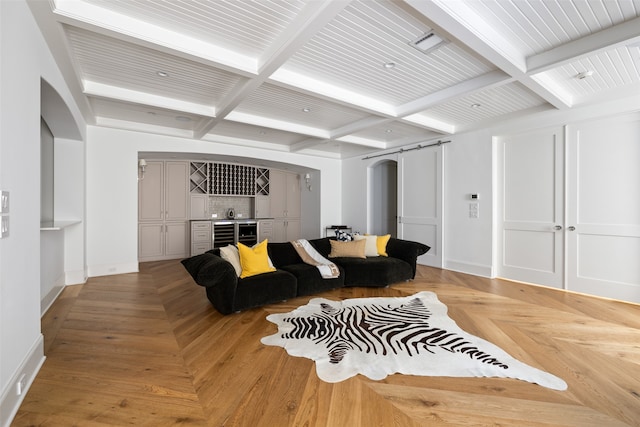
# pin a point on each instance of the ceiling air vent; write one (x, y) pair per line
(428, 42)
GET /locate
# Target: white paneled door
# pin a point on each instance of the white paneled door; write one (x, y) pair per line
(532, 212)
(603, 209)
(574, 224)
(420, 201)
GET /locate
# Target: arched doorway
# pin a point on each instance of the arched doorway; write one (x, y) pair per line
(384, 198)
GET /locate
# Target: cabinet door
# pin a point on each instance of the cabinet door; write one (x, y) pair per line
(199, 206)
(176, 191)
(175, 239)
(279, 231)
(292, 227)
(150, 240)
(293, 195)
(263, 206)
(277, 193)
(151, 193)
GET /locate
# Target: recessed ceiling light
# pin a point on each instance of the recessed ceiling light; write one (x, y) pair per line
(584, 75)
(389, 65)
(162, 73)
(388, 130)
(306, 109)
(475, 105)
(183, 118)
(262, 132)
(151, 113)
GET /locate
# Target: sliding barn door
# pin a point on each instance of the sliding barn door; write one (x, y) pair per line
(420, 201)
(603, 208)
(532, 224)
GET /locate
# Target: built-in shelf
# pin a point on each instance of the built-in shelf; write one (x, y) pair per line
(58, 225)
(228, 179)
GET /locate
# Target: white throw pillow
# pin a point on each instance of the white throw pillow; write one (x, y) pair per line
(230, 254)
(371, 244)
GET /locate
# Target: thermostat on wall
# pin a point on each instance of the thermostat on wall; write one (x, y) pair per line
(474, 197)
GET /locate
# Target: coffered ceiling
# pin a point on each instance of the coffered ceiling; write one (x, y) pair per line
(337, 78)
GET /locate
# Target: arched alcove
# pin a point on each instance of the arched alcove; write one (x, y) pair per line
(383, 186)
(62, 197)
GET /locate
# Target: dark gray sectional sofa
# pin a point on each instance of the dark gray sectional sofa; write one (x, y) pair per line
(228, 293)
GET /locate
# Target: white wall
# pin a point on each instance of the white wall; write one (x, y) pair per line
(112, 189)
(468, 164)
(469, 167)
(25, 58)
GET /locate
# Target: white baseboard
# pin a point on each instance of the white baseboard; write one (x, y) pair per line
(75, 277)
(111, 269)
(50, 298)
(470, 268)
(11, 400)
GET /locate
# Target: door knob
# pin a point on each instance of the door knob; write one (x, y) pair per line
(557, 227)
(571, 228)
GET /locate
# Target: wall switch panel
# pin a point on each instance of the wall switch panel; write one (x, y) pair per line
(4, 227)
(4, 202)
(474, 210)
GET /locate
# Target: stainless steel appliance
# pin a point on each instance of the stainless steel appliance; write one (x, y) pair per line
(230, 232)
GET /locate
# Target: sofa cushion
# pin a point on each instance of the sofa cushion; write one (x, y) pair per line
(209, 270)
(259, 290)
(310, 280)
(254, 260)
(374, 271)
(230, 254)
(381, 244)
(370, 245)
(347, 249)
(283, 254)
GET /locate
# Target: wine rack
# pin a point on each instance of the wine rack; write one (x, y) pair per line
(262, 182)
(231, 179)
(199, 177)
(228, 179)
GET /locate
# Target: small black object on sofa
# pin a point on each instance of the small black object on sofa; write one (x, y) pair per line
(228, 293)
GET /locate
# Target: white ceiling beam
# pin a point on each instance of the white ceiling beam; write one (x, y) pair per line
(430, 123)
(459, 22)
(622, 34)
(312, 18)
(265, 122)
(307, 143)
(363, 141)
(483, 82)
(359, 125)
(101, 90)
(113, 24)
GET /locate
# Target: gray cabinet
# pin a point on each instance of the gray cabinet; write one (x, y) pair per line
(201, 237)
(163, 211)
(284, 192)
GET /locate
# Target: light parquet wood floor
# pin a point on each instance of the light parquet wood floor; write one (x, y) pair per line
(148, 349)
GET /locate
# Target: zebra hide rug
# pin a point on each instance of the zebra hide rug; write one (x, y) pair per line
(377, 337)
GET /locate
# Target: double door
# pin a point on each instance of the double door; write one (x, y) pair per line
(571, 207)
(163, 211)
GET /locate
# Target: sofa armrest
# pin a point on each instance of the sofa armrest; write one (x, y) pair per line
(218, 276)
(406, 250)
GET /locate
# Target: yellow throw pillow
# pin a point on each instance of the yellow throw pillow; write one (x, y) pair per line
(381, 243)
(254, 260)
(353, 249)
(370, 247)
